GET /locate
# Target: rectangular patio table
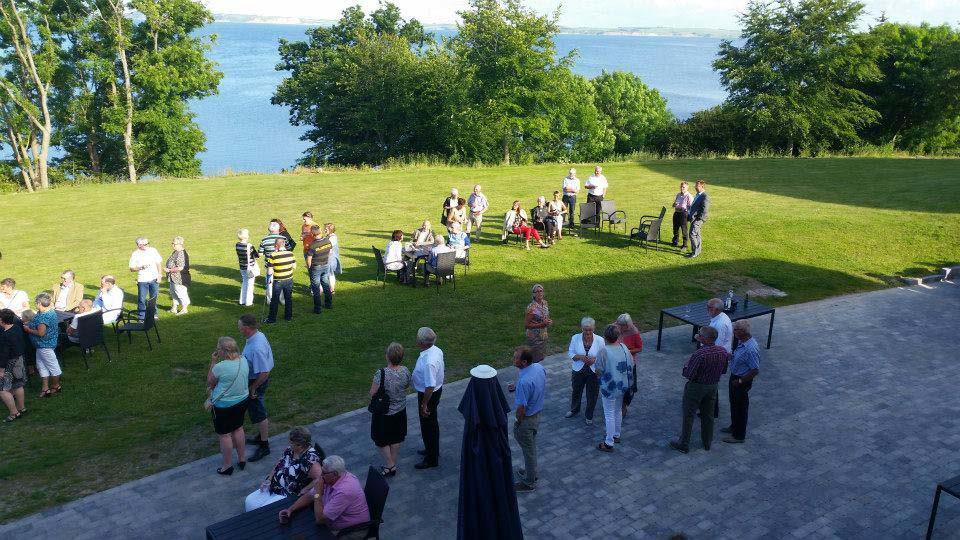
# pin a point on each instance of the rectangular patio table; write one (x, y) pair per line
(696, 314)
(263, 523)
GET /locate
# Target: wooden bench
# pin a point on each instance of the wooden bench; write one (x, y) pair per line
(951, 486)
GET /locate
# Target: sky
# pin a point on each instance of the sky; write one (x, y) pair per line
(596, 13)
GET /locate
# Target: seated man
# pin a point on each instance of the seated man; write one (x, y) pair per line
(431, 266)
(67, 294)
(85, 308)
(459, 241)
(109, 299)
(423, 238)
(338, 499)
(13, 299)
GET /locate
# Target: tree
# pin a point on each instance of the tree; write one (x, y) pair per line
(370, 88)
(633, 111)
(30, 59)
(918, 95)
(119, 29)
(799, 71)
(508, 51)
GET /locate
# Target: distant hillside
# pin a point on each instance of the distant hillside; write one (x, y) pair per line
(452, 28)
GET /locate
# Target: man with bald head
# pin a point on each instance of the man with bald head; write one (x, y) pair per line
(702, 371)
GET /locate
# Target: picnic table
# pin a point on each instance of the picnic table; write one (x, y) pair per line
(264, 524)
(696, 314)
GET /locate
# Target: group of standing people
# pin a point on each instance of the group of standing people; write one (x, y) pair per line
(321, 255)
(689, 213)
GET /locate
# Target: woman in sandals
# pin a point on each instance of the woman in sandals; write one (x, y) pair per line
(44, 333)
(615, 369)
(389, 430)
(12, 373)
(227, 381)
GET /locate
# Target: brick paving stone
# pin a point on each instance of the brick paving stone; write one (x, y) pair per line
(841, 444)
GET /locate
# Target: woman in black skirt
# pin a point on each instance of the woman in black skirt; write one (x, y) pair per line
(227, 382)
(389, 430)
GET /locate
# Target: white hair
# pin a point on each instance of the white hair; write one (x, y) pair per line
(142, 240)
(243, 235)
(715, 303)
(426, 336)
(68, 273)
(334, 464)
(624, 318)
(43, 299)
(572, 171)
(274, 227)
(743, 325)
(588, 321)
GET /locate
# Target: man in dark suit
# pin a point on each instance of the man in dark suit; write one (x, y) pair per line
(698, 214)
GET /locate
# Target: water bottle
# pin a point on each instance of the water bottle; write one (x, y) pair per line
(729, 303)
(746, 300)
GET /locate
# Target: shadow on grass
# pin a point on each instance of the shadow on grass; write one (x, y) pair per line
(922, 269)
(144, 407)
(896, 184)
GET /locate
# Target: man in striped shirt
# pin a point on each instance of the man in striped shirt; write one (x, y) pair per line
(703, 371)
(267, 246)
(280, 264)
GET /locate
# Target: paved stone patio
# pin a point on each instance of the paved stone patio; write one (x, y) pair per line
(854, 419)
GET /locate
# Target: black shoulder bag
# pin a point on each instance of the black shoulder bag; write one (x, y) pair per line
(380, 403)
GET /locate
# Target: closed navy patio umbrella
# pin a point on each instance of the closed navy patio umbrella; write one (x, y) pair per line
(488, 502)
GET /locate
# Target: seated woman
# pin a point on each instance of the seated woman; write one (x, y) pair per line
(555, 212)
(298, 469)
(516, 223)
(457, 214)
(423, 237)
(337, 498)
(458, 241)
(393, 255)
(538, 214)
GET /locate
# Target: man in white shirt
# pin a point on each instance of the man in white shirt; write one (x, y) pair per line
(13, 299)
(109, 299)
(146, 262)
(721, 322)
(478, 206)
(571, 186)
(583, 351)
(596, 187)
(428, 382)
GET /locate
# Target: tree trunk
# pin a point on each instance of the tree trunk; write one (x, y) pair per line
(790, 146)
(92, 152)
(128, 129)
(506, 149)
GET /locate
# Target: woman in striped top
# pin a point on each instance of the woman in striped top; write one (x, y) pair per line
(249, 270)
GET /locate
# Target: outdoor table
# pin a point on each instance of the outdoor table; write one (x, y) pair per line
(415, 255)
(696, 314)
(263, 523)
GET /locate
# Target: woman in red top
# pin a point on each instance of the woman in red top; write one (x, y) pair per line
(630, 336)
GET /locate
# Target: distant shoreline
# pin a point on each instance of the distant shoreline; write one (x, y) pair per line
(652, 31)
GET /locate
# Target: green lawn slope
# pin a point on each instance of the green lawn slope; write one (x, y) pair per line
(811, 228)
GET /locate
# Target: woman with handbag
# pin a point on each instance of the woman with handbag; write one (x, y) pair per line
(249, 269)
(615, 369)
(388, 403)
(227, 382)
(178, 276)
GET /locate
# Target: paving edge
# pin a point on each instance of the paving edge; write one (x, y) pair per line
(954, 270)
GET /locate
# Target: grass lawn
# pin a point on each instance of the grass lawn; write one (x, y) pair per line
(811, 228)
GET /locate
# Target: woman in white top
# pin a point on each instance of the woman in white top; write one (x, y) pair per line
(582, 352)
(516, 221)
(393, 255)
(12, 299)
(335, 266)
(555, 211)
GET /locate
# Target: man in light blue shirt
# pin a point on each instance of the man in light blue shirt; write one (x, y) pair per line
(259, 356)
(744, 366)
(530, 391)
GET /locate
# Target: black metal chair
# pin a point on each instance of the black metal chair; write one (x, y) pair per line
(588, 217)
(951, 487)
(90, 334)
(649, 229)
(611, 216)
(382, 269)
(443, 270)
(375, 491)
(130, 322)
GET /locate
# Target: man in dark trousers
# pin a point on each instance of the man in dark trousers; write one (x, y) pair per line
(699, 209)
(427, 380)
(744, 367)
(703, 372)
(280, 266)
